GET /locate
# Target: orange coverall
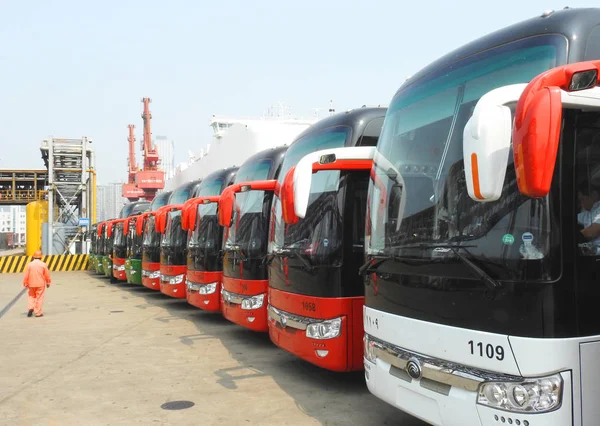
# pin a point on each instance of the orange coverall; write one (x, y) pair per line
(36, 278)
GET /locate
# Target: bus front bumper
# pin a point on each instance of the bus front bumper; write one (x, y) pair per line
(244, 302)
(119, 269)
(203, 290)
(172, 280)
(133, 271)
(151, 275)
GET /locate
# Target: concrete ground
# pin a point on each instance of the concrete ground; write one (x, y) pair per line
(115, 354)
(12, 252)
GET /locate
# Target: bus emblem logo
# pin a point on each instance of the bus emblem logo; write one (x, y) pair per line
(413, 368)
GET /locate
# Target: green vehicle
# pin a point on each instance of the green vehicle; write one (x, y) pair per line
(108, 249)
(133, 264)
(100, 252)
(93, 234)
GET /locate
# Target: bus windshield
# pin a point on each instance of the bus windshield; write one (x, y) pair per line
(180, 196)
(249, 225)
(174, 235)
(119, 238)
(159, 201)
(419, 158)
(151, 237)
(134, 241)
(323, 223)
(206, 217)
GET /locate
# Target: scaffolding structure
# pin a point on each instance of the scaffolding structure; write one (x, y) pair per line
(71, 194)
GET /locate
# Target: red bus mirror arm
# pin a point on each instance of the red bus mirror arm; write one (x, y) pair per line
(294, 200)
(227, 199)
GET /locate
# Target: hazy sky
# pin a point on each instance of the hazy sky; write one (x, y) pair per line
(75, 68)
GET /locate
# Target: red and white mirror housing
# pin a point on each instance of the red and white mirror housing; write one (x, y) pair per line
(295, 191)
(486, 142)
(538, 120)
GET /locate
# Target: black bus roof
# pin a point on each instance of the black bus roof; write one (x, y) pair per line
(226, 174)
(274, 154)
(357, 119)
(139, 207)
(164, 194)
(192, 186)
(575, 24)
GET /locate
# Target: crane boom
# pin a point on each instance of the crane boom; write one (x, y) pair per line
(132, 165)
(151, 158)
(150, 178)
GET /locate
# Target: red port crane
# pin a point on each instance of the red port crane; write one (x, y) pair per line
(130, 190)
(151, 178)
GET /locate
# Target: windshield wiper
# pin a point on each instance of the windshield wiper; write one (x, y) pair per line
(292, 254)
(487, 280)
(374, 263)
(238, 251)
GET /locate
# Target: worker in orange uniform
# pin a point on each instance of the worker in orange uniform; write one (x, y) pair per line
(37, 280)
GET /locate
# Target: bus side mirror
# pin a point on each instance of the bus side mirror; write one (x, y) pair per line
(286, 195)
(486, 143)
(139, 224)
(161, 220)
(538, 121)
(188, 213)
(226, 203)
(298, 181)
(536, 136)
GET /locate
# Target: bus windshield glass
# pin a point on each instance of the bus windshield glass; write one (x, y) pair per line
(206, 217)
(180, 196)
(159, 201)
(151, 237)
(319, 234)
(174, 235)
(419, 158)
(119, 238)
(249, 224)
(134, 242)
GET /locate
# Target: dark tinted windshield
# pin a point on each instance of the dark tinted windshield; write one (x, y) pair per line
(174, 235)
(126, 210)
(134, 241)
(181, 195)
(118, 237)
(320, 232)
(420, 159)
(249, 223)
(151, 237)
(205, 242)
(159, 201)
(206, 212)
(108, 241)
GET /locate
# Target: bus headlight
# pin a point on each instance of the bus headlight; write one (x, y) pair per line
(253, 302)
(177, 279)
(370, 354)
(208, 288)
(537, 395)
(327, 329)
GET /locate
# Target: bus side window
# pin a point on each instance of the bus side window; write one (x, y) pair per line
(587, 182)
(371, 133)
(359, 209)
